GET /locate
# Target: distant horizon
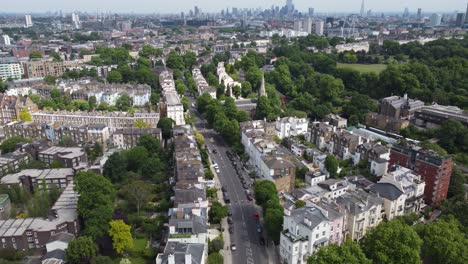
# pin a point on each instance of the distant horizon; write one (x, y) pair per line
(211, 6)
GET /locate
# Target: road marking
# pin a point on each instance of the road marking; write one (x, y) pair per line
(250, 261)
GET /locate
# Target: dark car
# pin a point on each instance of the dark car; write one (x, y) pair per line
(231, 229)
(224, 189)
(249, 197)
(229, 220)
(244, 185)
(215, 151)
(226, 199)
(259, 228)
(228, 153)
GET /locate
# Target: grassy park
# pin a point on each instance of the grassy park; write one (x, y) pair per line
(363, 68)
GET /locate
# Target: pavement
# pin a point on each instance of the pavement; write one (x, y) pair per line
(245, 235)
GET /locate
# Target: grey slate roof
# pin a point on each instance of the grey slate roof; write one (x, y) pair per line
(386, 190)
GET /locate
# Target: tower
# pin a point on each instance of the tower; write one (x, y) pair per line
(362, 9)
(262, 90)
(28, 21)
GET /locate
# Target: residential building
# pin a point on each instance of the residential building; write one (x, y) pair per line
(183, 253)
(29, 130)
(344, 144)
(363, 211)
(304, 231)
(170, 105)
(375, 154)
(291, 126)
(29, 233)
(399, 107)
(5, 40)
(320, 134)
(188, 225)
(31, 179)
(10, 68)
(5, 206)
(56, 248)
(11, 162)
(42, 68)
(435, 170)
(336, 120)
(330, 189)
(280, 170)
(28, 21)
(69, 157)
(127, 138)
(394, 199)
(112, 120)
(202, 84)
(11, 106)
(336, 218)
(410, 184)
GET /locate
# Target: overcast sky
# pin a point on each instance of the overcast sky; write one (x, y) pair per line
(166, 6)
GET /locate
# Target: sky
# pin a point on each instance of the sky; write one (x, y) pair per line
(177, 6)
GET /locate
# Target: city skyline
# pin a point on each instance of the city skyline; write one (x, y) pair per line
(154, 6)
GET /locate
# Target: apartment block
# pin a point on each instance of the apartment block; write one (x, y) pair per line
(10, 68)
(69, 157)
(40, 69)
(11, 106)
(435, 170)
(11, 162)
(32, 178)
(127, 138)
(30, 233)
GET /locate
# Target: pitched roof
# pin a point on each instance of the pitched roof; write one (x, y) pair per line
(386, 190)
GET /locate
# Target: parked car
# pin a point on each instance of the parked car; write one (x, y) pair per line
(229, 220)
(262, 241)
(214, 151)
(224, 189)
(249, 197)
(244, 185)
(231, 229)
(256, 216)
(233, 247)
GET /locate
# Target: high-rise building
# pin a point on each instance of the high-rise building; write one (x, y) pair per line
(460, 20)
(318, 29)
(362, 9)
(76, 20)
(28, 21)
(433, 168)
(298, 25)
(466, 14)
(196, 11)
(5, 40)
(307, 25)
(419, 14)
(311, 11)
(406, 12)
(436, 20)
(289, 6)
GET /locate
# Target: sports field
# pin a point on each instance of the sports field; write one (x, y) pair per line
(363, 68)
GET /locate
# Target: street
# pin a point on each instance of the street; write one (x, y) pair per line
(245, 235)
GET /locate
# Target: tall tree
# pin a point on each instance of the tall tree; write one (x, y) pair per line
(114, 76)
(124, 102)
(331, 165)
(166, 124)
(115, 168)
(139, 193)
(25, 116)
(347, 253)
(122, 239)
(95, 203)
(443, 242)
(80, 250)
(393, 243)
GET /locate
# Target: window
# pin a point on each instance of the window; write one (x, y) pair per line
(316, 236)
(323, 233)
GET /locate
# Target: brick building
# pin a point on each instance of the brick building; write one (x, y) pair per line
(434, 169)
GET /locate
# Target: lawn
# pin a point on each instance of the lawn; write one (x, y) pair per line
(363, 68)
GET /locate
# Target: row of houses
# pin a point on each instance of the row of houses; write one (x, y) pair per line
(122, 138)
(348, 208)
(187, 240)
(170, 105)
(202, 85)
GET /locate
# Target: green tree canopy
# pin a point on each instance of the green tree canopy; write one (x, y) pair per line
(80, 250)
(166, 124)
(217, 212)
(393, 243)
(347, 253)
(115, 167)
(9, 145)
(35, 54)
(95, 203)
(114, 76)
(331, 165)
(124, 102)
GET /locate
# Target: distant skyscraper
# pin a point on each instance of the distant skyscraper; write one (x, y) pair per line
(466, 14)
(362, 9)
(307, 25)
(319, 27)
(298, 25)
(28, 21)
(311, 11)
(196, 11)
(289, 6)
(419, 14)
(460, 20)
(436, 20)
(406, 12)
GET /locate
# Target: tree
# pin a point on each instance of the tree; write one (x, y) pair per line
(9, 145)
(92, 101)
(215, 258)
(114, 76)
(50, 80)
(215, 245)
(136, 157)
(35, 54)
(166, 124)
(3, 86)
(150, 143)
(264, 109)
(115, 168)
(274, 222)
(265, 191)
(122, 239)
(140, 123)
(123, 103)
(393, 242)
(347, 253)
(56, 57)
(190, 59)
(102, 260)
(25, 116)
(80, 250)
(180, 87)
(443, 241)
(217, 212)
(330, 88)
(95, 203)
(246, 89)
(331, 165)
(139, 192)
(453, 136)
(175, 61)
(300, 204)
